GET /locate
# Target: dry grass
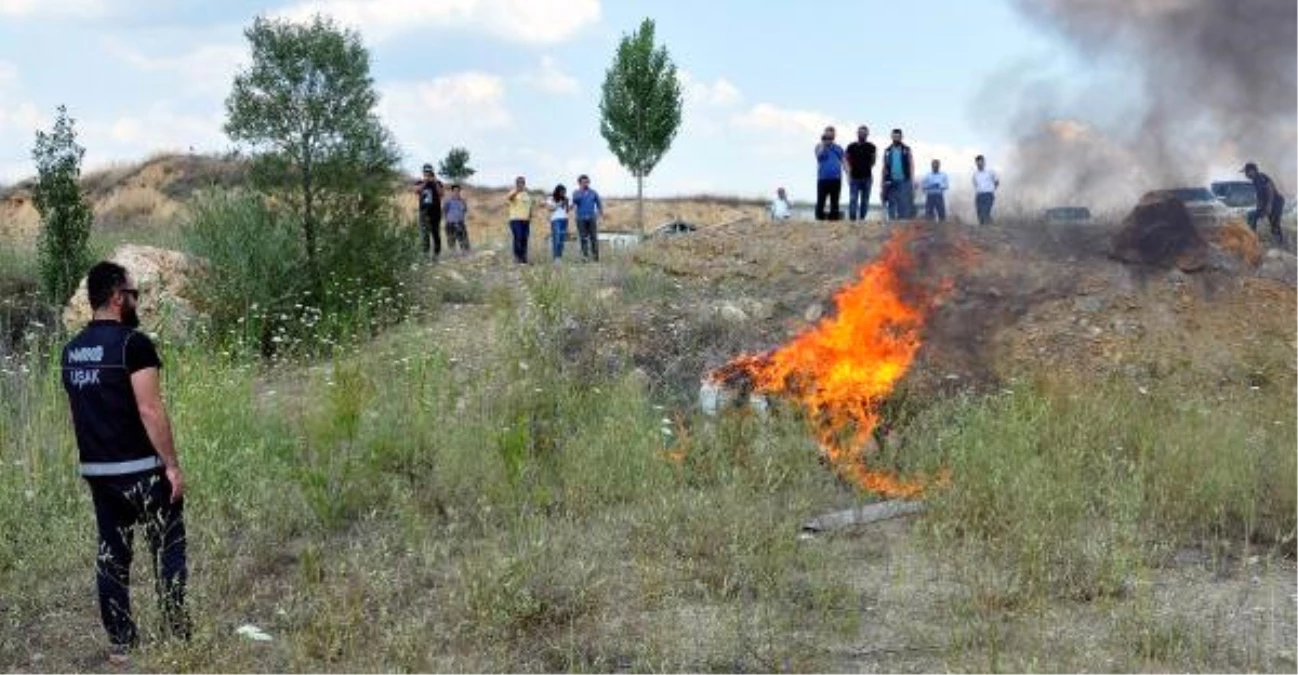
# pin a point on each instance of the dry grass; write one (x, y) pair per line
(133, 206)
(491, 486)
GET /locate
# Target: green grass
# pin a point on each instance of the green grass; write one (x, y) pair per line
(491, 500)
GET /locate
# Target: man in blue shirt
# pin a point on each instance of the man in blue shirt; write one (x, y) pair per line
(898, 174)
(589, 209)
(829, 176)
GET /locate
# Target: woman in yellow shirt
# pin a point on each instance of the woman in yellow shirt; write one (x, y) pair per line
(520, 218)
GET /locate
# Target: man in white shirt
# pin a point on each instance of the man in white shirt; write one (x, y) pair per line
(780, 207)
(985, 182)
(935, 185)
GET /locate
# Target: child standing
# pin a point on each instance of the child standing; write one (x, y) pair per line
(457, 211)
(559, 207)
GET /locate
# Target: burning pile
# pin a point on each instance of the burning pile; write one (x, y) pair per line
(843, 368)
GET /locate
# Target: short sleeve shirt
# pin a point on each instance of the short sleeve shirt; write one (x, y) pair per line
(829, 164)
(520, 208)
(97, 366)
(429, 200)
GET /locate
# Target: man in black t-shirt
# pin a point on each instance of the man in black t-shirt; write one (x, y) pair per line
(127, 456)
(430, 210)
(860, 174)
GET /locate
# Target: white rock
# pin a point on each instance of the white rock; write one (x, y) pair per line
(731, 312)
(253, 633)
(163, 277)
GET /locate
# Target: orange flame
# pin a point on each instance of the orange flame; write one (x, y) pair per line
(843, 368)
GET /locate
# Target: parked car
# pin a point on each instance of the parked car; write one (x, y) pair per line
(1238, 196)
(672, 228)
(1202, 204)
(1073, 215)
(624, 240)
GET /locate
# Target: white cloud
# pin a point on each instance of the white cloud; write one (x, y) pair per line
(155, 129)
(53, 8)
(206, 69)
(705, 104)
(549, 78)
(472, 100)
(789, 121)
(721, 92)
(125, 138)
(24, 117)
(526, 21)
(427, 117)
(8, 75)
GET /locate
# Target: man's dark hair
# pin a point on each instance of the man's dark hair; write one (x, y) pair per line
(896, 131)
(582, 177)
(455, 188)
(104, 279)
(980, 157)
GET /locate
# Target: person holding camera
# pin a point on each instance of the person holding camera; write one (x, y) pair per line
(829, 174)
(429, 190)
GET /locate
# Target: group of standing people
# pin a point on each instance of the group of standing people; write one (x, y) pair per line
(585, 206)
(898, 182)
(434, 207)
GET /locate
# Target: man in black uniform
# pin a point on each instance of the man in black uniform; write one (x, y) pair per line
(128, 456)
(1270, 203)
(430, 211)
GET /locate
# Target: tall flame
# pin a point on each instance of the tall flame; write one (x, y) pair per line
(843, 368)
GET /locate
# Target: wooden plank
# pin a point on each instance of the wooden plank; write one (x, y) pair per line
(863, 515)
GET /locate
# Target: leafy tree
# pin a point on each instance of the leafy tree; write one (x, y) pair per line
(456, 166)
(640, 106)
(308, 102)
(66, 217)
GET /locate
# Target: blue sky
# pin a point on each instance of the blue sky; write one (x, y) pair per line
(517, 81)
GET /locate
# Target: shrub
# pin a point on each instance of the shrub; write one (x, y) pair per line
(254, 259)
(65, 214)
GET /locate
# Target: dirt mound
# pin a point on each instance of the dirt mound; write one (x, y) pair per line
(163, 278)
(19, 220)
(1159, 232)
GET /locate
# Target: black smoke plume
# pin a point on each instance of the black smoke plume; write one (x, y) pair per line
(1219, 88)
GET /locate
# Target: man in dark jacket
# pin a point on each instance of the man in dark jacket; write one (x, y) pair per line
(898, 170)
(127, 456)
(1270, 203)
(430, 211)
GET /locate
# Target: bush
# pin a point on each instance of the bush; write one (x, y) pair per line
(257, 290)
(254, 259)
